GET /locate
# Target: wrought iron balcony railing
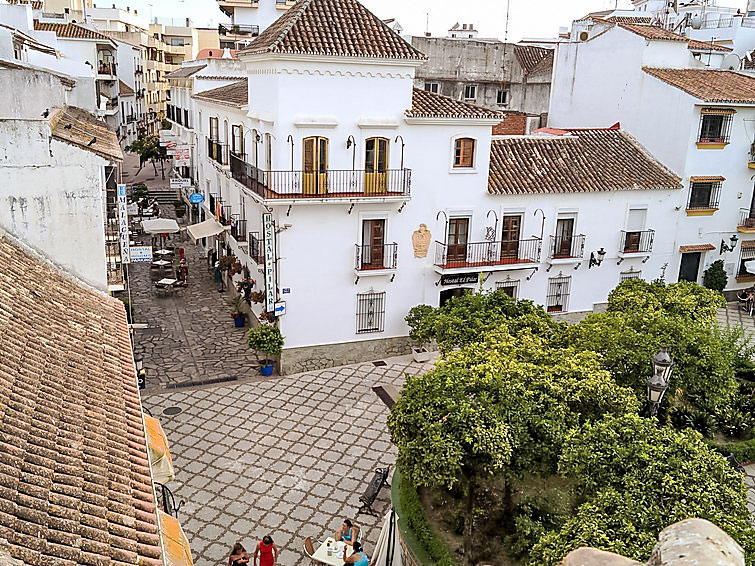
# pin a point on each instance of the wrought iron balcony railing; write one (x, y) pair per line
(487, 254)
(638, 241)
(571, 247)
(369, 257)
(217, 151)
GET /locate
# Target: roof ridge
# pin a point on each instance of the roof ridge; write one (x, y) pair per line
(291, 22)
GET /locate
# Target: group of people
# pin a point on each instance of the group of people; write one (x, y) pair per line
(267, 552)
(148, 207)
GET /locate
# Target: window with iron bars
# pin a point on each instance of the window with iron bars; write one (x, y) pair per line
(510, 287)
(558, 294)
(627, 275)
(715, 126)
(704, 194)
(370, 312)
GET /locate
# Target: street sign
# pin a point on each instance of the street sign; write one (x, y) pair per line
(179, 183)
(268, 230)
(196, 198)
(141, 254)
(280, 308)
(123, 222)
(182, 155)
(459, 278)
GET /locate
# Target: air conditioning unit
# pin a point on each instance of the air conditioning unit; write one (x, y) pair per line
(584, 35)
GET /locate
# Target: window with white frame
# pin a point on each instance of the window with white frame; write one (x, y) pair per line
(557, 299)
(470, 92)
(631, 274)
(370, 312)
(510, 287)
(503, 97)
(432, 87)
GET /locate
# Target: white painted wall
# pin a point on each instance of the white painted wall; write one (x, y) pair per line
(263, 15)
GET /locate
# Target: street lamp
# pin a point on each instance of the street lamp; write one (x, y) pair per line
(596, 261)
(141, 373)
(663, 365)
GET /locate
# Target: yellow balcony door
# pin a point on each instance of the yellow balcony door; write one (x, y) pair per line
(315, 166)
(376, 166)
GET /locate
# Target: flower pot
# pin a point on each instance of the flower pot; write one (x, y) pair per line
(421, 355)
(267, 368)
(239, 321)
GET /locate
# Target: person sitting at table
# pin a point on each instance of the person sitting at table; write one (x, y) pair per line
(348, 533)
(267, 551)
(358, 558)
(239, 556)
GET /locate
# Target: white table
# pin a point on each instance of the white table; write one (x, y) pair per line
(167, 281)
(750, 266)
(163, 252)
(321, 554)
(161, 262)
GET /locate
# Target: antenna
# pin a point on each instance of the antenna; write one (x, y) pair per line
(427, 23)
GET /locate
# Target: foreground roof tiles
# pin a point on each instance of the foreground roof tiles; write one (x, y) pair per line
(124, 89)
(580, 161)
(533, 58)
(70, 30)
(709, 85)
(80, 128)
(235, 94)
(653, 32)
(75, 484)
(707, 46)
(429, 105)
(332, 27)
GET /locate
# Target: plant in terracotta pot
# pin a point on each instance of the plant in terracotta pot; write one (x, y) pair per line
(267, 341)
(257, 296)
(420, 331)
(237, 313)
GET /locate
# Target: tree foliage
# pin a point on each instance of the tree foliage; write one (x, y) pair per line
(715, 276)
(149, 150)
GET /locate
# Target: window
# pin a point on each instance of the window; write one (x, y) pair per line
(715, 125)
(464, 152)
(237, 140)
(746, 255)
(503, 97)
(214, 128)
(510, 287)
(178, 41)
(635, 237)
(370, 312)
(432, 87)
(558, 294)
(704, 194)
(627, 275)
(470, 92)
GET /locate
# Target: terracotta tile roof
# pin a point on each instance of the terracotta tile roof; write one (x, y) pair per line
(429, 105)
(581, 161)
(709, 85)
(75, 484)
(629, 19)
(35, 4)
(235, 94)
(707, 46)
(124, 89)
(332, 27)
(653, 32)
(532, 58)
(218, 77)
(697, 248)
(185, 72)
(70, 30)
(82, 129)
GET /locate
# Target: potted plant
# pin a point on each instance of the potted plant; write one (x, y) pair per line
(239, 317)
(266, 340)
(257, 296)
(180, 207)
(420, 332)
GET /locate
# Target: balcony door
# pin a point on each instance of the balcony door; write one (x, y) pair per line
(635, 226)
(458, 232)
(376, 166)
(373, 244)
(510, 237)
(564, 236)
(315, 166)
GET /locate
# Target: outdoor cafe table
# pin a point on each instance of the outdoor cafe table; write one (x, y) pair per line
(161, 262)
(750, 266)
(321, 554)
(167, 281)
(163, 252)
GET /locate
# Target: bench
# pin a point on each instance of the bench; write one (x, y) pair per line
(379, 479)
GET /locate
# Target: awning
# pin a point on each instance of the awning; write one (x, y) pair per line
(160, 226)
(707, 179)
(697, 248)
(159, 454)
(719, 111)
(176, 551)
(205, 229)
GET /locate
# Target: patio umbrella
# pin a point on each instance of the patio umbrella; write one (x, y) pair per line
(160, 226)
(388, 548)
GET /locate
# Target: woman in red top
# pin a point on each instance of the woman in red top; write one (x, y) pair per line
(267, 551)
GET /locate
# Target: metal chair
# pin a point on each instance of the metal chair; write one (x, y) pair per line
(745, 303)
(309, 549)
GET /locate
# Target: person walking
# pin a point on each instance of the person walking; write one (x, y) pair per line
(238, 556)
(267, 552)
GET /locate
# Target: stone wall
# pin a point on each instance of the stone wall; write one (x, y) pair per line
(692, 542)
(295, 360)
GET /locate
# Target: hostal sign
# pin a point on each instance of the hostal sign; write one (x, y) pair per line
(459, 278)
(268, 228)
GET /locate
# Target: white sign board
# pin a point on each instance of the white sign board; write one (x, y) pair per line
(280, 308)
(166, 136)
(123, 223)
(268, 229)
(182, 156)
(141, 254)
(170, 147)
(179, 183)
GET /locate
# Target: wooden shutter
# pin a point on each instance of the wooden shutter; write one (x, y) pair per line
(309, 155)
(464, 156)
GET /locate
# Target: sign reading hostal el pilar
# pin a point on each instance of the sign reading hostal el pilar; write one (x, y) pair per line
(268, 229)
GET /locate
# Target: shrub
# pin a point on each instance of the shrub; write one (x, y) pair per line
(266, 339)
(417, 319)
(715, 276)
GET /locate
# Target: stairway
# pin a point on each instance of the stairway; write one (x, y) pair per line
(163, 196)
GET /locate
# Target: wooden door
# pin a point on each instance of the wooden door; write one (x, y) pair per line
(632, 242)
(564, 236)
(315, 166)
(458, 230)
(510, 237)
(373, 244)
(690, 267)
(376, 166)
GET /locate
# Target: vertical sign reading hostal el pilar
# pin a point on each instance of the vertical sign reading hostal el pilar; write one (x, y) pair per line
(268, 228)
(123, 223)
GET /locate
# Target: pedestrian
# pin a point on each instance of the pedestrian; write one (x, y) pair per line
(267, 551)
(183, 270)
(348, 533)
(359, 558)
(238, 556)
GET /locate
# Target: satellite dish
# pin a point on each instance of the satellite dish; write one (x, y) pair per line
(697, 21)
(731, 62)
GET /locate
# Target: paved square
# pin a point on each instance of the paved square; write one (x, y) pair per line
(287, 457)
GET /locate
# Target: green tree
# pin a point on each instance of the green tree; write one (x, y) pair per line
(715, 276)
(502, 407)
(149, 149)
(635, 479)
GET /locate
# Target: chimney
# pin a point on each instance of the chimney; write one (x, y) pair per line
(188, 23)
(135, 12)
(128, 9)
(113, 6)
(428, 34)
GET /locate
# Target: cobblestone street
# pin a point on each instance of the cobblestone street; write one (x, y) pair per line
(287, 457)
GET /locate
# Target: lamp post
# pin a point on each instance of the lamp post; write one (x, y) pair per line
(141, 373)
(663, 366)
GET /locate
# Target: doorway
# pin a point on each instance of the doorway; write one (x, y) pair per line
(458, 230)
(690, 267)
(373, 244)
(564, 235)
(376, 166)
(510, 237)
(449, 294)
(315, 166)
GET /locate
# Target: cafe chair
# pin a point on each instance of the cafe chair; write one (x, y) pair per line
(309, 549)
(744, 303)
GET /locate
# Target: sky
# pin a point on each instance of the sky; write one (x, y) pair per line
(527, 18)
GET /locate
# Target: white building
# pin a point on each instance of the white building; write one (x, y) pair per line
(53, 167)
(697, 120)
(249, 19)
(383, 196)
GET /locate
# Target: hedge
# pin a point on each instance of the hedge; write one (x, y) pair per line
(744, 451)
(414, 513)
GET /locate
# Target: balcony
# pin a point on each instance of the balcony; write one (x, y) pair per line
(256, 248)
(284, 4)
(131, 118)
(238, 29)
(238, 229)
(106, 70)
(746, 221)
(217, 151)
(751, 162)
(376, 260)
(566, 250)
(492, 256)
(636, 243)
(227, 6)
(393, 184)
